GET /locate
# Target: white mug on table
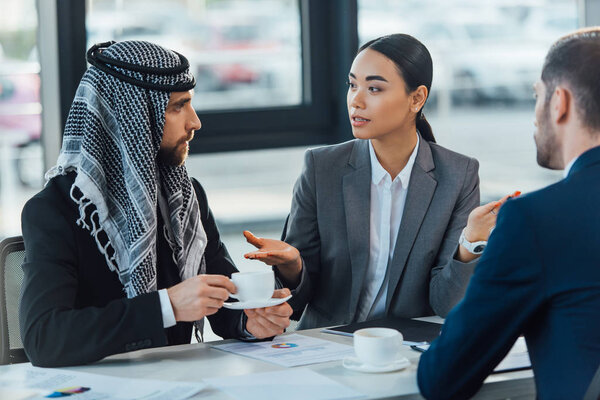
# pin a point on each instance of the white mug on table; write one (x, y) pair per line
(377, 346)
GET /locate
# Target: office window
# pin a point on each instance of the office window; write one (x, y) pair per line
(21, 166)
(244, 54)
(486, 57)
(259, 85)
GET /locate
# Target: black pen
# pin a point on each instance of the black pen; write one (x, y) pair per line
(417, 348)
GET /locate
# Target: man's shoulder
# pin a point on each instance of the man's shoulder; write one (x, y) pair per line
(50, 211)
(537, 205)
(553, 195)
(54, 194)
(200, 192)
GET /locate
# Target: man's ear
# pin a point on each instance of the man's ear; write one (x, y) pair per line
(562, 101)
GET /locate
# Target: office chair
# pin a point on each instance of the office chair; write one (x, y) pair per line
(593, 392)
(12, 254)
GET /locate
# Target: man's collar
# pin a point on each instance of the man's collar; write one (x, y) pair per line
(569, 166)
(589, 157)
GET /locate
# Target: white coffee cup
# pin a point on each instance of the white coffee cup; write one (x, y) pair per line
(377, 346)
(253, 286)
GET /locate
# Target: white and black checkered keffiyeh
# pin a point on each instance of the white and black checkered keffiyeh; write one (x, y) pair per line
(111, 139)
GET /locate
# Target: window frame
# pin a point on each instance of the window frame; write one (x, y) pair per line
(329, 39)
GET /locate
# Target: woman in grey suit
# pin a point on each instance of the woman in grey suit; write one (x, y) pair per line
(377, 220)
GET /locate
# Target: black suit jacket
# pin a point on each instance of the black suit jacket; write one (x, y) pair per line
(74, 309)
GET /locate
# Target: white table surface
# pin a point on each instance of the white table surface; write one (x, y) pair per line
(193, 362)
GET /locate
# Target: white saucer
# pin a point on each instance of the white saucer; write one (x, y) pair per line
(355, 364)
(244, 305)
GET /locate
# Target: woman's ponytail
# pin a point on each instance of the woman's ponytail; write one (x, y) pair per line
(424, 128)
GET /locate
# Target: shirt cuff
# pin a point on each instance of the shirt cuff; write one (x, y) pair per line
(246, 336)
(166, 309)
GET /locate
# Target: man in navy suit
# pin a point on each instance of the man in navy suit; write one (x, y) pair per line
(540, 273)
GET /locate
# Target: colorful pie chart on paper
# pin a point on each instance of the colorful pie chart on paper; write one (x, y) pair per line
(284, 345)
(67, 392)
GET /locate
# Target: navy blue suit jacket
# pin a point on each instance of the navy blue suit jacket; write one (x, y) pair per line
(539, 276)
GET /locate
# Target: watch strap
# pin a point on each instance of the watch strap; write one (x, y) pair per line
(472, 247)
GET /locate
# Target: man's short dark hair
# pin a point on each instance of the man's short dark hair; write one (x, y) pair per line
(574, 60)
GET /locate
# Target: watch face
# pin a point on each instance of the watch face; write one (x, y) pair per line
(479, 249)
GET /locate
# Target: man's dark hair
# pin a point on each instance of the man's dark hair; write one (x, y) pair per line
(574, 60)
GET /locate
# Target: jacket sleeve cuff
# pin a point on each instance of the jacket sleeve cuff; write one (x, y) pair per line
(246, 336)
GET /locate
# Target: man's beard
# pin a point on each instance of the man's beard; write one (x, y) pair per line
(546, 142)
(174, 156)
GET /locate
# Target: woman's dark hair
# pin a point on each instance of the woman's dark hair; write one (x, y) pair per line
(414, 64)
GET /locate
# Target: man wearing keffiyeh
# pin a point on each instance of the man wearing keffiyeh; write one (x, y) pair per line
(122, 251)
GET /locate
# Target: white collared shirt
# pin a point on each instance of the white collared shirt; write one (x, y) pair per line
(387, 206)
(569, 166)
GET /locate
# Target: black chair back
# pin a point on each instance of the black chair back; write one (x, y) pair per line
(12, 255)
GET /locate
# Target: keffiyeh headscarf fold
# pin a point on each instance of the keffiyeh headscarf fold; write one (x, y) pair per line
(111, 139)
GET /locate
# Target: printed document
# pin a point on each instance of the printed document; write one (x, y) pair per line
(291, 350)
(54, 382)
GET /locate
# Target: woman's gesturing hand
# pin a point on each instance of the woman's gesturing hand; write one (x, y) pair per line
(276, 252)
(480, 224)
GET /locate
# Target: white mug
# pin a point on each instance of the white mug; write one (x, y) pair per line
(377, 346)
(253, 286)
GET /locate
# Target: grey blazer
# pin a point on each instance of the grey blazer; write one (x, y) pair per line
(329, 224)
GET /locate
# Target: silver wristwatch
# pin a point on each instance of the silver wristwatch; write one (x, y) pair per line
(472, 247)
